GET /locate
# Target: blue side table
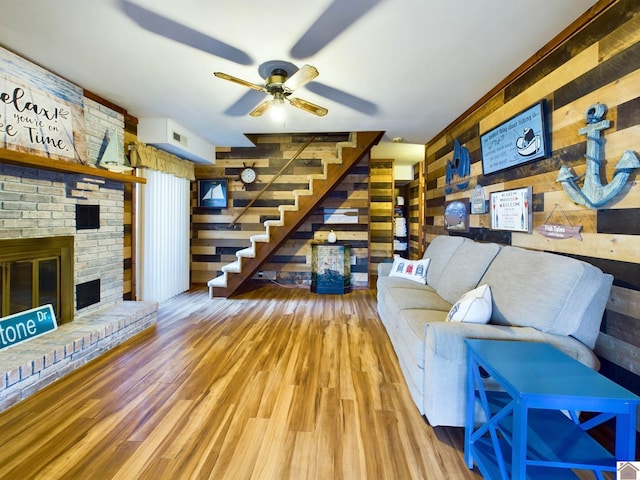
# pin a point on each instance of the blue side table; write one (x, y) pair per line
(526, 435)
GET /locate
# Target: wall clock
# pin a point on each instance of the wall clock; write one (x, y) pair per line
(248, 175)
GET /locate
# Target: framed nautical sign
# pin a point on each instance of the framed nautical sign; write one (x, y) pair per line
(521, 139)
(212, 193)
(511, 210)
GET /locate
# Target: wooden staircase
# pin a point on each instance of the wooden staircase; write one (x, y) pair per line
(249, 260)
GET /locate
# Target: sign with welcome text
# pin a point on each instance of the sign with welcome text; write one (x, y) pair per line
(23, 326)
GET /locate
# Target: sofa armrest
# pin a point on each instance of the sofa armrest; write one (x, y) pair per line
(446, 339)
(445, 363)
(384, 269)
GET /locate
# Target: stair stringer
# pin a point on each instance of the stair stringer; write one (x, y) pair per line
(250, 259)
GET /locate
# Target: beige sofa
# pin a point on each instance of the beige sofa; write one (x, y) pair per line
(536, 296)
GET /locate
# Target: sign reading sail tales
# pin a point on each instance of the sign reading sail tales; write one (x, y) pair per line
(23, 326)
(40, 112)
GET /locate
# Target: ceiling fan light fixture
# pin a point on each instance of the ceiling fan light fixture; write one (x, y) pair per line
(277, 109)
(280, 85)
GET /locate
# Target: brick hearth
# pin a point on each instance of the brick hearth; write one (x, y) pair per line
(31, 366)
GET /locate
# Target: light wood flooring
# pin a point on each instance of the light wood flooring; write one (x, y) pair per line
(277, 383)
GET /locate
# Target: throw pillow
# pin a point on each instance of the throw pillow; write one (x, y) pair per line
(473, 306)
(415, 270)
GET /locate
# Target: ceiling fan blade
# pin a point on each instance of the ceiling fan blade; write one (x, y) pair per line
(333, 21)
(173, 30)
(308, 106)
(231, 78)
(356, 103)
(260, 109)
(302, 77)
(244, 104)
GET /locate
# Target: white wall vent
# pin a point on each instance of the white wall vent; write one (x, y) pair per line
(165, 134)
(181, 139)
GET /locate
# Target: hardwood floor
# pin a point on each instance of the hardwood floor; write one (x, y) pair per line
(277, 383)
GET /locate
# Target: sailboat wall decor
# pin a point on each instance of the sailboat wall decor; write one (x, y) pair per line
(212, 193)
(111, 158)
(458, 168)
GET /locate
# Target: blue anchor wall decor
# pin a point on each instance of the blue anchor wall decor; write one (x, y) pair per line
(459, 166)
(593, 193)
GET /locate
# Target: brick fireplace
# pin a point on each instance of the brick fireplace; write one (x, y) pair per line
(38, 210)
(50, 194)
(37, 204)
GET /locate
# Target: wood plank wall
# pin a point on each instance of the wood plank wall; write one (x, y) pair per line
(600, 63)
(414, 193)
(381, 190)
(128, 270)
(416, 212)
(214, 242)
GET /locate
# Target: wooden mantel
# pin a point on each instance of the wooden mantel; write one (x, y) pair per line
(36, 161)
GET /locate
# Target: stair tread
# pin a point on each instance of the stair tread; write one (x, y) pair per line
(288, 208)
(273, 223)
(260, 238)
(218, 282)
(248, 252)
(232, 267)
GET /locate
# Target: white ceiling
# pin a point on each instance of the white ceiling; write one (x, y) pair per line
(408, 67)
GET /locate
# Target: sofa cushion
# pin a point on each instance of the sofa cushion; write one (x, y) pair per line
(439, 253)
(473, 306)
(384, 283)
(465, 269)
(409, 298)
(541, 290)
(412, 334)
(414, 270)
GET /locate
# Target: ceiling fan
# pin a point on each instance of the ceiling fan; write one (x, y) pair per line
(280, 84)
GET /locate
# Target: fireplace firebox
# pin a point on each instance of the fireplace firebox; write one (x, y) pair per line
(37, 271)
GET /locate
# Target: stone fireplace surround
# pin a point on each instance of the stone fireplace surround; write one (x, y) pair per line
(37, 203)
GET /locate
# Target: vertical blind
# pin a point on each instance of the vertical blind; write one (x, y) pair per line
(163, 229)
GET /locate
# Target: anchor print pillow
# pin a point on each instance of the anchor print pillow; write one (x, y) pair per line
(415, 270)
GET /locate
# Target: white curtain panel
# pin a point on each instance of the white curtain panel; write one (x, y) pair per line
(163, 208)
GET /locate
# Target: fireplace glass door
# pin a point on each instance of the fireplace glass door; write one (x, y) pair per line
(29, 284)
(36, 272)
